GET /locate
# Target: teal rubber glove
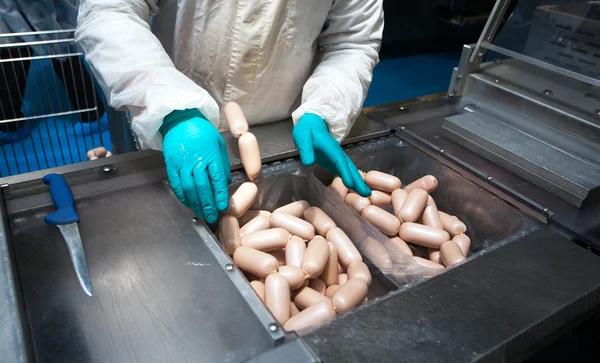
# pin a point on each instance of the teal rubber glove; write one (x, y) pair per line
(197, 163)
(316, 145)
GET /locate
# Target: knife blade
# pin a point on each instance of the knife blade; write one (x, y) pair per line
(66, 219)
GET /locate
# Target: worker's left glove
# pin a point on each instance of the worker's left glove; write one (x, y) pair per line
(316, 145)
(197, 163)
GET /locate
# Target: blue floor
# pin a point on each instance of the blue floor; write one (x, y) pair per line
(411, 76)
(51, 142)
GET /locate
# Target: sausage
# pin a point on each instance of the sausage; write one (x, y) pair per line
(337, 186)
(380, 198)
(402, 245)
(428, 183)
(229, 233)
(279, 255)
(382, 181)
(423, 235)
(306, 297)
(315, 258)
(294, 251)
(250, 154)
(376, 252)
(98, 153)
(416, 251)
(294, 225)
(251, 214)
(235, 119)
(463, 242)
(346, 250)
(434, 255)
(294, 276)
(431, 216)
(398, 198)
(258, 223)
(452, 224)
(319, 219)
(242, 199)
(451, 253)
(349, 295)
(259, 288)
(426, 263)
(318, 285)
(296, 208)
(342, 279)
(330, 272)
(331, 290)
(341, 268)
(358, 270)
(277, 297)
(357, 202)
(256, 262)
(268, 240)
(386, 222)
(314, 315)
(293, 309)
(413, 206)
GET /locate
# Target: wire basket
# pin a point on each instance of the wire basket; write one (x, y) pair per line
(50, 111)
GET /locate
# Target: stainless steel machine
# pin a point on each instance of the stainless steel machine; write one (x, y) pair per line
(514, 144)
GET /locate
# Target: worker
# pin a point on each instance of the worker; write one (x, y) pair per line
(308, 59)
(23, 17)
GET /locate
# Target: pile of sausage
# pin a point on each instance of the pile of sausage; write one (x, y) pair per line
(298, 261)
(435, 239)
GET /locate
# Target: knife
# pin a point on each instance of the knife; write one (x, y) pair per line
(66, 219)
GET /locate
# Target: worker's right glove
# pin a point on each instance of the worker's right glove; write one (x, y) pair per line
(197, 162)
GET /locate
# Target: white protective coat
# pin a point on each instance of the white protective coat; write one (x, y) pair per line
(275, 58)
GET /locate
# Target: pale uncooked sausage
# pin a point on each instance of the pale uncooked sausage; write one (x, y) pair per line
(398, 198)
(319, 219)
(357, 202)
(342, 279)
(386, 222)
(314, 315)
(451, 253)
(429, 183)
(358, 270)
(402, 245)
(294, 251)
(349, 295)
(434, 255)
(235, 119)
(250, 154)
(431, 216)
(463, 242)
(251, 214)
(267, 240)
(337, 186)
(331, 290)
(258, 223)
(259, 288)
(277, 297)
(315, 257)
(294, 276)
(380, 198)
(413, 206)
(256, 262)
(330, 272)
(376, 251)
(306, 297)
(293, 309)
(229, 233)
(318, 285)
(426, 263)
(346, 250)
(242, 199)
(296, 208)
(423, 235)
(452, 224)
(294, 225)
(382, 181)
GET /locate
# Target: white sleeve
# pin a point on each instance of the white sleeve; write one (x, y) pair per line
(133, 68)
(349, 46)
